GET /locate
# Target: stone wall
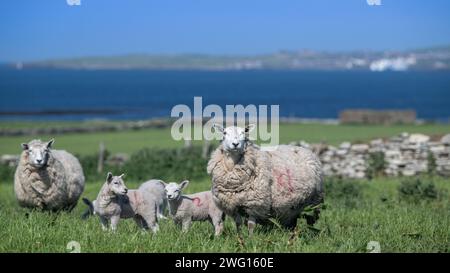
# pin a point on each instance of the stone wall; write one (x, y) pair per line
(405, 155)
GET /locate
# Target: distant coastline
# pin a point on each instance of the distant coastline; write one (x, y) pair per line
(437, 58)
(60, 112)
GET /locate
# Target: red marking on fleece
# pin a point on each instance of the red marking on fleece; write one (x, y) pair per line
(281, 181)
(197, 201)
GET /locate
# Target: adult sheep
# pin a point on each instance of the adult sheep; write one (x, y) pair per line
(47, 179)
(259, 185)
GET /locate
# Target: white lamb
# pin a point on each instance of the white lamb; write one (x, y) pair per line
(193, 207)
(259, 185)
(115, 201)
(153, 189)
(47, 179)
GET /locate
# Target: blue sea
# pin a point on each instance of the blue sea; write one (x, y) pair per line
(56, 94)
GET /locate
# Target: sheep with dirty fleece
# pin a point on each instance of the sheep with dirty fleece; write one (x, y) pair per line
(48, 179)
(115, 201)
(193, 207)
(262, 184)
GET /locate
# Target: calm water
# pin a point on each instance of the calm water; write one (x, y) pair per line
(145, 94)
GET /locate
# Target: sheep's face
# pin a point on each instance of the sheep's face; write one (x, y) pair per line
(234, 139)
(38, 152)
(174, 190)
(116, 184)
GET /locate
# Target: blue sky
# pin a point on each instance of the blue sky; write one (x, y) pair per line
(42, 29)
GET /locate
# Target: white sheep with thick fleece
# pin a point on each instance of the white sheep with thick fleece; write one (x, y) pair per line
(47, 179)
(248, 182)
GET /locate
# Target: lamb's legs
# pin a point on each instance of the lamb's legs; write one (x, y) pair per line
(104, 223)
(218, 225)
(251, 225)
(186, 224)
(140, 222)
(151, 220)
(218, 229)
(114, 221)
(161, 213)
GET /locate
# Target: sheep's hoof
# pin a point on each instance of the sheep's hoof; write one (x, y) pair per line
(162, 217)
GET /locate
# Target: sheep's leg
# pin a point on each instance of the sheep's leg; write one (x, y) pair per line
(251, 223)
(218, 225)
(140, 222)
(151, 220)
(161, 212)
(114, 221)
(186, 224)
(311, 219)
(104, 223)
(238, 222)
(155, 228)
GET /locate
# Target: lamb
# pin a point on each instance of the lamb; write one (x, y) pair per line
(153, 189)
(115, 201)
(47, 179)
(194, 207)
(263, 185)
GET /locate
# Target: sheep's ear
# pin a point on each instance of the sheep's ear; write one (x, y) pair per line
(50, 143)
(122, 175)
(25, 146)
(109, 177)
(218, 128)
(249, 128)
(163, 183)
(184, 184)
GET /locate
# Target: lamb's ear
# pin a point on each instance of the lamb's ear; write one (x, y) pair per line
(50, 143)
(25, 146)
(109, 177)
(184, 184)
(218, 128)
(163, 183)
(122, 175)
(249, 128)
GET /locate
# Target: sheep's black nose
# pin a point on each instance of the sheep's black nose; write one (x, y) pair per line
(126, 190)
(235, 144)
(39, 160)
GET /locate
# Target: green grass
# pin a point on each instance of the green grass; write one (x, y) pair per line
(361, 212)
(375, 214)
(131, 141)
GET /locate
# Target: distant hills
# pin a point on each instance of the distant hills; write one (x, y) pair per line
(422, 59)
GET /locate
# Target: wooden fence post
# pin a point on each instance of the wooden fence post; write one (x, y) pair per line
(101, 158)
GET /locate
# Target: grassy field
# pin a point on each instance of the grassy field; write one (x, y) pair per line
(357, 211)
(369, 211)
(131, 141)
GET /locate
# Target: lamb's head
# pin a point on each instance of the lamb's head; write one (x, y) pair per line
(174, 190)
(38, 152)
(234, 139)
(116, 184)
